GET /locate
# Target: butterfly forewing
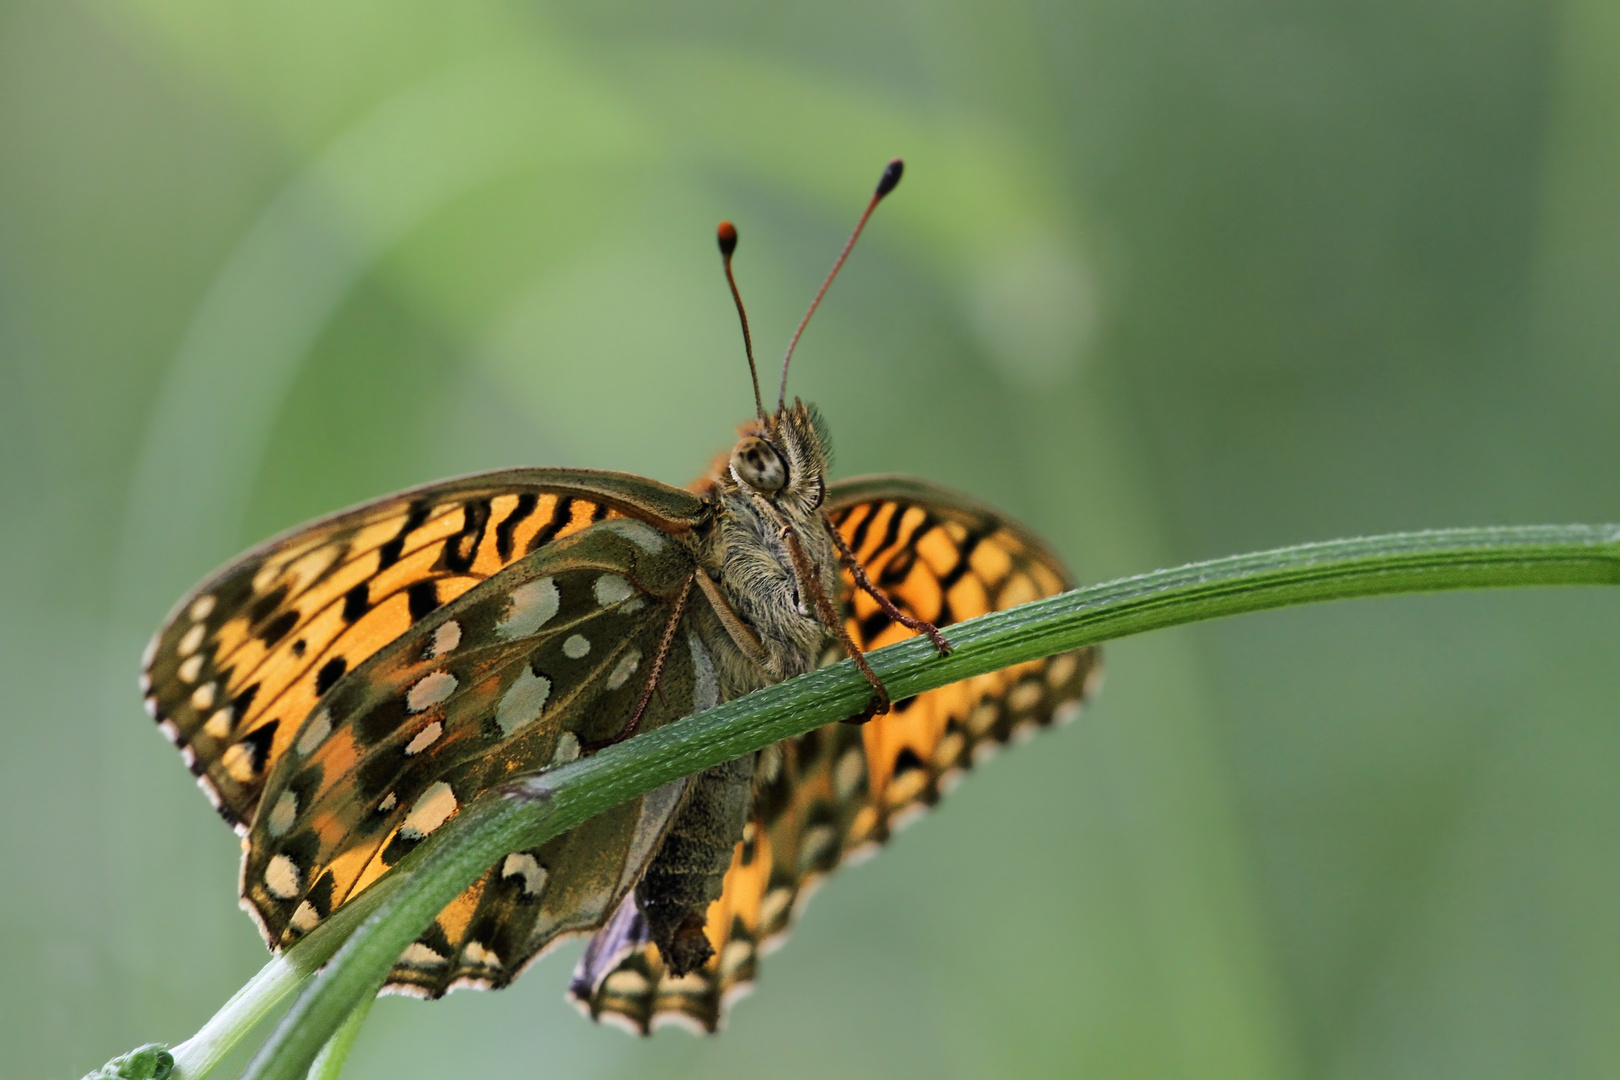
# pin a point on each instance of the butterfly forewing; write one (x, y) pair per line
(840, 791)
(242, 660)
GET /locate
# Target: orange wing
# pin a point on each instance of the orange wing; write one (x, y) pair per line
(837, 793)
(242, 660)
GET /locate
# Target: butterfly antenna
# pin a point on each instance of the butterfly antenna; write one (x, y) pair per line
(727, 234)
(887, 183)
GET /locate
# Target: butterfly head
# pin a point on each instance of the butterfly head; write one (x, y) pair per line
(785, 458)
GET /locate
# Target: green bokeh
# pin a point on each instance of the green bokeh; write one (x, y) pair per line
(1168, 280)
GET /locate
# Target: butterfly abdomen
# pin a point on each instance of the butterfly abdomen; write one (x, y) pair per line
(689, 870)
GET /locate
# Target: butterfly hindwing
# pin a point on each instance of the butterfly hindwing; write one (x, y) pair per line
(242, 660)
(543, 659)
(838, 792)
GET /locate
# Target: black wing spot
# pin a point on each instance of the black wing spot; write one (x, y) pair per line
(278, 628)
(355, 601)
(809, 744)
(503, 532)
(435, 938)
(906, 760)
(389, 553)
(377, 723)
(461, 549)
(963, 556)
(561, 515)
(891, 532)
(299, 647)
(600, 512)
(266, 604)
(330, 673)
(423, 597)
(897, 569)
(874, 624)
(258, 742)
(858, 539)
(377, 774)
(903, 705)
(241, 702)
(398, 848)
(320, 894)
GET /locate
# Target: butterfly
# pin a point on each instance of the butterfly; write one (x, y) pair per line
(342, 690)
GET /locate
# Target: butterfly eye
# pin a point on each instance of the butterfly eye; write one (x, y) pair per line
(758, 465)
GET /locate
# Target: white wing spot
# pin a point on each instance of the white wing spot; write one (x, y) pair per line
(304, 919)
(282, 815)
(983, 718)
(202, 698)
(202, 607)
(476, 953)
(567, 749)
(774, 906)
(1060, 669)
(625, 668)
(167, 727)
(1066, 713)
(430, 690)
(193, 638)
(610, 589)
(219, 725)
(521, 704)
(769, 765)
(191, 669)
(419, 955)
(424, 739)
(282, 878)
(733, 956)
(238, 762)
(432, 809)
(149, 653)
(445, 640)
(576, 646)
(1026, 695)
(643, 535)
(849, 772)
(531, 607)
(521, 864)
(315, 732)
(390, 801)
(626, 983)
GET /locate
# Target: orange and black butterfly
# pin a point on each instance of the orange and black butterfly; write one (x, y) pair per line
(342, 690)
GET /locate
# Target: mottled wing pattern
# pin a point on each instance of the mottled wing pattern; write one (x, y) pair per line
(838, 792)
(543, 658)
(242, 660)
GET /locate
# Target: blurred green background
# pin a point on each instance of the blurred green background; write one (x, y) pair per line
(1168, 279)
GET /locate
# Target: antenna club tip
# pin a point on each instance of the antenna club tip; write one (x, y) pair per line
(727, 235)
(891, 177)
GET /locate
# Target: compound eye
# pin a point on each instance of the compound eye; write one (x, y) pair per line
(758, 465)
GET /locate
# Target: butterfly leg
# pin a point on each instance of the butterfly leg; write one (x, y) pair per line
(922, 626)
(659, 660)
(740, 632)
(834, 622)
